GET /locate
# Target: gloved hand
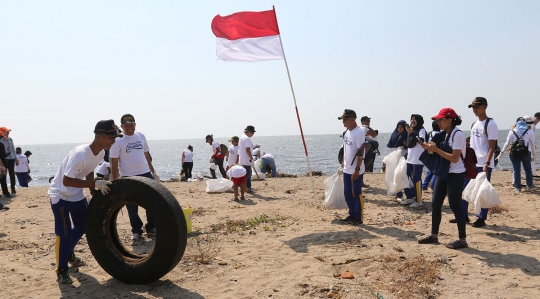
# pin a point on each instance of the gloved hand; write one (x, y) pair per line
(156, 176)
(340, 170)
(500, 156)
(103, 186)
(211, 161)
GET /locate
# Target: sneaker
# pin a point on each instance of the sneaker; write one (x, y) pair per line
(151, 232)
(479, 223)
(408, 201)
(135, 236)
(6, 195)
(516, 190)
(75, 261)
(416, 205)
(63, 277)
(533, 187)
(398, 199)
(250, 191)
(348, 219)
(13, 191)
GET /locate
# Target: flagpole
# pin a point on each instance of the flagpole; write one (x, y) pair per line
(296, 108)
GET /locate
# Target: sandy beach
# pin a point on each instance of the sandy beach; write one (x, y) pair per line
(279, 243)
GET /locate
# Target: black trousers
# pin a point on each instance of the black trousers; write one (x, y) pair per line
(219, 163)
(187, 167)
(453, 187)
(11, 171)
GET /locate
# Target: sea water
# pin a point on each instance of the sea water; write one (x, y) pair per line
(167, 154)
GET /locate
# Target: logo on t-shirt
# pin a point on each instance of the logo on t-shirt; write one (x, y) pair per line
(478, 132)
(137, 145)
(348, 141)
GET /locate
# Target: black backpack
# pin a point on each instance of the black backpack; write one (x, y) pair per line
(497, 148)
(518, 149)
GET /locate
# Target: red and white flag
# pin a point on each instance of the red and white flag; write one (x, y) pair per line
(247, 36)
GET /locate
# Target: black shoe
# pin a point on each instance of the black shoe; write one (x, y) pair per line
(468, 220)
(479, 223)
(348, 219)
(6, 195)
(13, 191)
(63, 277)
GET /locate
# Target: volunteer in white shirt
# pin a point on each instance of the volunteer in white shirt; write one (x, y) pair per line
(353, 167)
(187, 162)
(22, 168)
(237, 175)
(451, 149)
(244, 154)
(232, 156)
(414, 165)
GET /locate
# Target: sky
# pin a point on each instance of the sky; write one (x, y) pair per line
(64, 65)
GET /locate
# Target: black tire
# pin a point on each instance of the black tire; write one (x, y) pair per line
(105, 245)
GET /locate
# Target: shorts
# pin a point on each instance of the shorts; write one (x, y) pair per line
(239, 181)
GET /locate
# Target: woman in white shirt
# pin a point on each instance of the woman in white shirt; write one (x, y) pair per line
(452, 148)
(187, 162)
(521, 131)
(414, 165)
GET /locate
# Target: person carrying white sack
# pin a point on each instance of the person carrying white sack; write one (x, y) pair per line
(518, 154)
(237, 174)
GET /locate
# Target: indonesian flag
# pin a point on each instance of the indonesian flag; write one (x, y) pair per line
(247, 36)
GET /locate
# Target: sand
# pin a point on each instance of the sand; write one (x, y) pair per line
(297, 253)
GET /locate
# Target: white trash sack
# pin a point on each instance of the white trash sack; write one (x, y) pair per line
(257, 166)
(218, 185)
(481, 193)
(401, 180)
(391, 161)
(334, 196)
(213, 166)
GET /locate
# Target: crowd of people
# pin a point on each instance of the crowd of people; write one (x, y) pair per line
(447, 176)
(13, 163)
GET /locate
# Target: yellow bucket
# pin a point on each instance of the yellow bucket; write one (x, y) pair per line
(188, 213)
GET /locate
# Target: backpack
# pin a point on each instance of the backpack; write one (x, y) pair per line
(224, 149)
(469, 161)
(341, 150)
(518, 149)
(497, 151)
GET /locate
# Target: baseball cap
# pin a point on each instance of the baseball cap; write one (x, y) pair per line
(529, 119)
(211, 137)
(108, 128)
(127, 118)
(256, 145)
(347, 113)
(234, 138)
(478, 101)
(446, 112)
(250, 128)
(364, 118)
(4, 129)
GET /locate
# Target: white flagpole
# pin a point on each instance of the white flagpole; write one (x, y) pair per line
(297, 114)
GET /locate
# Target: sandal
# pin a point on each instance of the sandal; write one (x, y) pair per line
(242, 198)
(234, 199)
(458, 244)
(428, 240)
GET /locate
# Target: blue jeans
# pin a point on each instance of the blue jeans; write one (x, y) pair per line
(429, 180)
(516, 165)
(22, 177)
(270, 163)
(353, 196)
(133, 213)
(248, 176)
(415, 191)
(68, 236)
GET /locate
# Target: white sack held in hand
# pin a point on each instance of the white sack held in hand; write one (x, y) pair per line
(213, 166)
(334, 197)
(481, 193)
(218, 185)
(401, 180)
(103, 186)
(391, 161)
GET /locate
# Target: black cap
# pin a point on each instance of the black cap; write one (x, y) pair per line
(537, 115)
(478, 101)
(347, 113)
(107, 127)
(365, 118)
(27, 153)
(211, 137)
(250, 129)
(127, 118)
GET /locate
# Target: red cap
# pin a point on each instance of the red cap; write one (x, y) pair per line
(445, 112)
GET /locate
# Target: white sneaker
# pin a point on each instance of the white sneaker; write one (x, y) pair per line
(516, 190)
(408, 201)
(416, 205)
(135, 236)
(398, 199)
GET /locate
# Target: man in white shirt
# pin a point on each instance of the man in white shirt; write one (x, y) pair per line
(244, 154)
(232, 156)
(484, 135)
(187, 162)
(67, 198)
(130, 156)
(353, 167)
(22, 168)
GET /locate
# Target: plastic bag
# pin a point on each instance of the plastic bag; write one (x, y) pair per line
(391, 161)
(334, 196)
(257, 165)
(481, 193)
(218, 185)
(401, 180)
(213, 166)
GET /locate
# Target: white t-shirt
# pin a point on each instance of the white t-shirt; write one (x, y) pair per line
(255, 152)
(188, 155)
(130, 153)
(102, 169)
(269, 157)
(365, 128)
(23, 164)
(233, 154)
(77, 165)
(352, 141)
(480, 143)
(236, 171)
(458, 142)
(245, 142)
(413, 154)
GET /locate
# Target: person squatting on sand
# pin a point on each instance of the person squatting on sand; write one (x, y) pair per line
(245, 155)
(237, 175)
(453, 149)
(68, 201)
(217, 157)
(417, 134)
(484, 133)
(353, 167)
(130, 156)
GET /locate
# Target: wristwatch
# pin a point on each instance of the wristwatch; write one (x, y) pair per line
(487, 163)
(357, 169)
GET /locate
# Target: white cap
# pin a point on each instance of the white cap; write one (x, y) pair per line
(528, 119)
